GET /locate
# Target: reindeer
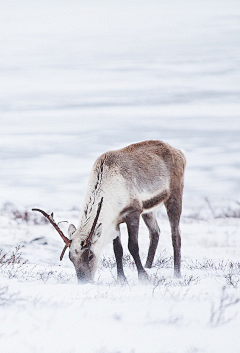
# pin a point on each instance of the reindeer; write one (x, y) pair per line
(123, 185)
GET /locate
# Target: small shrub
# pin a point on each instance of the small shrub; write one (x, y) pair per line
(12, 263)
(108, 263)
(232, 280)
(13, 258)
(163, 261)
(27, 217)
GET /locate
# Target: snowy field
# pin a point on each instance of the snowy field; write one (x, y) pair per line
(78, 78)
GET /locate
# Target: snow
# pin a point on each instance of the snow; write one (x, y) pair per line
(42, 308)
(77, 79)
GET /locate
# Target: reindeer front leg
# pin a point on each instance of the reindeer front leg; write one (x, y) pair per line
(132, 222)
(118, 251)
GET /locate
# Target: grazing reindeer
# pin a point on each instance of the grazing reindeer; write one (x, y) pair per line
(123, 185)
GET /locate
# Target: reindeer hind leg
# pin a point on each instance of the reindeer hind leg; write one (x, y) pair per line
(132, 222)
(174, 210)
(154, 232)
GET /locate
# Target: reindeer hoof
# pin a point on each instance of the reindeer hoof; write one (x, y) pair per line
(143, 277)
(177, 274)
(122, 280)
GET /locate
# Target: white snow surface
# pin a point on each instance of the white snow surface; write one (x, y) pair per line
(78, 78)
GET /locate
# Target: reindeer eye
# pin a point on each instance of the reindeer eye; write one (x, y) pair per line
(90, 257)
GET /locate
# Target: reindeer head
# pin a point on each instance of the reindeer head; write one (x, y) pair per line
(81, 252)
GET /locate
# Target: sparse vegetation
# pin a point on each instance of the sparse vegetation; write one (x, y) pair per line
(12, 263)
(163, 261)
(211, 265)
(57, 277)
(13, 258)
(218, 310)
(207, 294)
(211, 209)
(13, 266)
(23, 216)
(224, 211)
(229, 213)
(6, 297)
(28, 217)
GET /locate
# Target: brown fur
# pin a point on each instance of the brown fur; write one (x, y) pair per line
(150, 162)
(133, 181)
(154, 168)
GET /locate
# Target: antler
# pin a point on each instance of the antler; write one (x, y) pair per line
(87, 241)
(51, 220)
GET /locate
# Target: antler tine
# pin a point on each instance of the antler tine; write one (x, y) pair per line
(63, 252)
(88, 239)
(51, 220)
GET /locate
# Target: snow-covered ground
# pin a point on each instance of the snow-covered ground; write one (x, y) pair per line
(43, 309)
(78, 78)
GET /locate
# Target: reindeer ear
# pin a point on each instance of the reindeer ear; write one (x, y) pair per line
(71, 230)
